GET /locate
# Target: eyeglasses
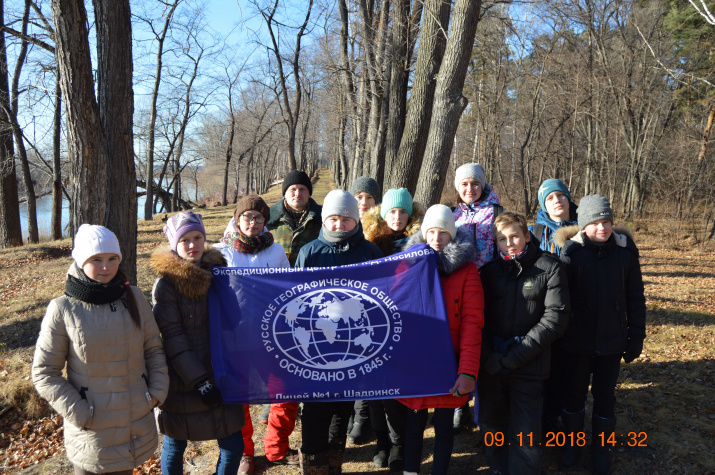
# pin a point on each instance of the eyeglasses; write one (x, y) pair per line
(247, 218)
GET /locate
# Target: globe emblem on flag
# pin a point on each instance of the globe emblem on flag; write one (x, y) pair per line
(331, 328)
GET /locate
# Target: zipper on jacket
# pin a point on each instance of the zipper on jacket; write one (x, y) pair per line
(126, 305)
(113, 307)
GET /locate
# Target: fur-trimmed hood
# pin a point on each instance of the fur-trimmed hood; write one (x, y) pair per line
(190, 280)
(379, 233)
(456, 254)
(621, 234)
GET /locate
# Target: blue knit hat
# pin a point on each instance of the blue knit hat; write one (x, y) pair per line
(549, 186)
(396, 198)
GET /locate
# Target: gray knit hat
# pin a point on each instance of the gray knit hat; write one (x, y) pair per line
(368, 185)
(340, 203)
(593, 208)
(470, 170)
(439, 216)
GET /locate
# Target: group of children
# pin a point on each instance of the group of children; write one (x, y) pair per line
(563, 298)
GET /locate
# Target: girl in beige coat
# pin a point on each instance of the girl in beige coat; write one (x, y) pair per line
(104, 331)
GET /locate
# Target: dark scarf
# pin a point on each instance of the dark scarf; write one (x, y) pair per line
(90, 291)
(246, 244)
(294, 218)
(338, 236)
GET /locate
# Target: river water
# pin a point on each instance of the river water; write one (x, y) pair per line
(44, 216)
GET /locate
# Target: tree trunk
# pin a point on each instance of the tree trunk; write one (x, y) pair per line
(398, 85)
(116, 105)
(701, 155)
(406, 169)
(56, 226)
(85, 138)
(149, 202)
(449, 102)
(373, 59)
(229, 153)
(33, 235)
(10, 230)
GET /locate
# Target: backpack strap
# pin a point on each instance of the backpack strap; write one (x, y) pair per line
(537, 231)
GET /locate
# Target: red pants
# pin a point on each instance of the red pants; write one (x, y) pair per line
(247, 432)
(281, 422)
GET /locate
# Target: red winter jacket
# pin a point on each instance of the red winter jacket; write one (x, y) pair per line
(464, 300)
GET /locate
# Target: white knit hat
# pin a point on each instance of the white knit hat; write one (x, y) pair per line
(91, 240)
(470, 170)
(340, 203)
(439, 216)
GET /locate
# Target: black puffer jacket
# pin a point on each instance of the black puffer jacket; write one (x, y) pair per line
(181, 309)
(526, 297)
(606, 288)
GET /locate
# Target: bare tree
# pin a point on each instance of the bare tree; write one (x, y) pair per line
(10, 230)
(291, 112)
(449, 102)
(116, 106)
(160, 37)
(33, 235)
(433, 39)
(85, 137)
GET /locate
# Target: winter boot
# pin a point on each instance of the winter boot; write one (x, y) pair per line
(265, 411)
(601, 449)
(382, 451)
(396, 461)
(316, 464)
(573, 423)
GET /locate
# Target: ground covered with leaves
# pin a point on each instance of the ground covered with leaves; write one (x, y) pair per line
(666, 397)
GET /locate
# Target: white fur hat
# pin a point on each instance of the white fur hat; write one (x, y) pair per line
(470, 170)
(439, 216)
(91, 240)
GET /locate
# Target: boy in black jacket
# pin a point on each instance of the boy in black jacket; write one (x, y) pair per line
(526, 309)
(608, 322)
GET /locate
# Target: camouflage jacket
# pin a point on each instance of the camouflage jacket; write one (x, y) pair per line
(293, 239)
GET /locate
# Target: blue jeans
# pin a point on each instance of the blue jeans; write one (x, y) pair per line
(172, 455)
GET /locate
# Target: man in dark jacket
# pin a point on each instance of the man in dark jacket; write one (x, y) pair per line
(608, 321)
(295, 220)
(526, 309)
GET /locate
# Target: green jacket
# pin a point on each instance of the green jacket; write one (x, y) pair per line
(293, 239)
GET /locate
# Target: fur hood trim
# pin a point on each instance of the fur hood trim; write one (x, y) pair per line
(620, 233)
(456, 254)
(377, 232)
(190, 280)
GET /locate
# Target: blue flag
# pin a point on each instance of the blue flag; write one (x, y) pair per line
(375, 330)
